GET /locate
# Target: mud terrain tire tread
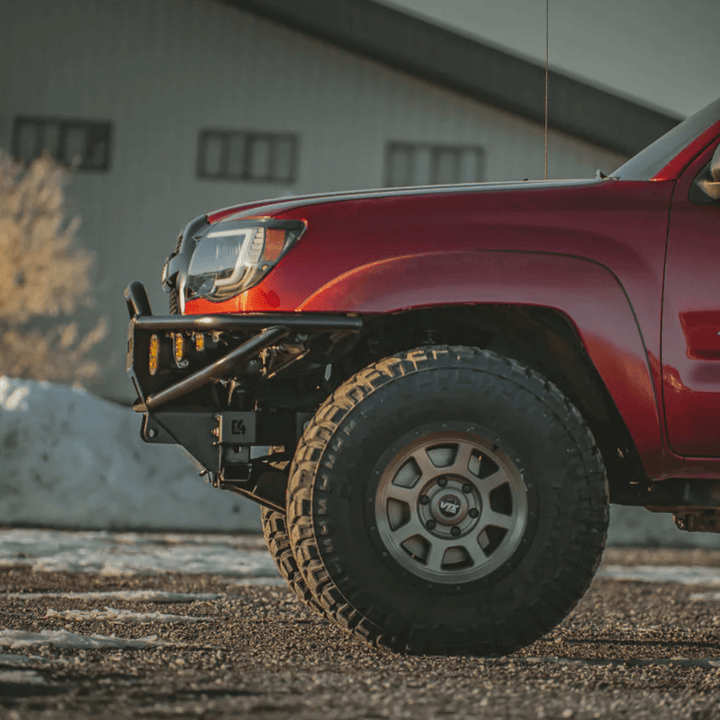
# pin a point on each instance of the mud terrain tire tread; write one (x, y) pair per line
(555, 590)
(278, 543)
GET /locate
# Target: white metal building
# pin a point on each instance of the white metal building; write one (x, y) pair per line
(178, 107)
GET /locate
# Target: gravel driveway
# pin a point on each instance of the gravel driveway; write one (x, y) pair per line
(166, 645)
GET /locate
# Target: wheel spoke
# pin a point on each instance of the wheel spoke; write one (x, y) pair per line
(422, 460)
(435, 556)
(408, 530)
(408, 496)
(462, 460)
(490, 517)
(473, 548)
(440, 546)
(488, 484)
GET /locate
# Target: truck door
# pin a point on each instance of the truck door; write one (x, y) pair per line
(691, 318)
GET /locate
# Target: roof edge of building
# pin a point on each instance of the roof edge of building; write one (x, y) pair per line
(401, 41)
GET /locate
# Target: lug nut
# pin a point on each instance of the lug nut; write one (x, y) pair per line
(424, 499)
(455, 531)
(442, 482)
(431, 524)
(467, 488)
(474, 513)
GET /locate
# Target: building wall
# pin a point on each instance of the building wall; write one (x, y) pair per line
(162, 70)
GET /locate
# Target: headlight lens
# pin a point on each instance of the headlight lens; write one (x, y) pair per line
(233, 256)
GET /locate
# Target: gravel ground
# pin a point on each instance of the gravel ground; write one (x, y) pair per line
(630, 650)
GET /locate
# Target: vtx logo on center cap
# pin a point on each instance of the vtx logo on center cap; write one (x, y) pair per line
(449, 506)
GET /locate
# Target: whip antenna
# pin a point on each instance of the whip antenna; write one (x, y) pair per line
(547, 37)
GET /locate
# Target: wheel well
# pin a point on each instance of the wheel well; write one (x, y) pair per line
(542, 338)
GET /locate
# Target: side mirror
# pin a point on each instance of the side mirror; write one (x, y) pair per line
(709, 180)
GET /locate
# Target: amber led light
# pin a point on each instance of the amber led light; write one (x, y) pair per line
(153, 354)
(179, 347)
(274, 245)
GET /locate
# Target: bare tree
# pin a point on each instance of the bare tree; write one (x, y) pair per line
(43, 274)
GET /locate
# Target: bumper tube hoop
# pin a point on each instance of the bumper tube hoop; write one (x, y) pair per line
(270, 327)
(219, 370)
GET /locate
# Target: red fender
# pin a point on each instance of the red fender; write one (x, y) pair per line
(585, 291)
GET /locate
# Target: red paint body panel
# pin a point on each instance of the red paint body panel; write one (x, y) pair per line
(482, 247)
(691, 322)
(593, 250)
(562, 282)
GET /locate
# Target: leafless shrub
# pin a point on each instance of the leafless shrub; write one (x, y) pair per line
(43, 274)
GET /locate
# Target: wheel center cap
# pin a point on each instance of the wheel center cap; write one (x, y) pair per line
(449, 508)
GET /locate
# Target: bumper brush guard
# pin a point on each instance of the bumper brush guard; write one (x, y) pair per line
(217, 439)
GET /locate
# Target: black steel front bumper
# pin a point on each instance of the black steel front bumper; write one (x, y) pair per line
(181, 401)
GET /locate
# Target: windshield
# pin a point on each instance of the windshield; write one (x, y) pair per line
(648, 163)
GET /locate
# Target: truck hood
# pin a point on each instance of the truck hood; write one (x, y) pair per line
(282, 205)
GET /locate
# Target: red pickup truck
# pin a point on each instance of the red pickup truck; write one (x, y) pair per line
(436, 392)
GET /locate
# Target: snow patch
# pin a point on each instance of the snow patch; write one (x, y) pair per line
(123, 616)
(16, 639)
(254, 581)
(638, 527)
(681, 574)
(19, 660)
(138, 596)
(22, 677)
(120, 554)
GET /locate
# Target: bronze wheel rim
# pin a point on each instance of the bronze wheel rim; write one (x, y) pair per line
(451, 507)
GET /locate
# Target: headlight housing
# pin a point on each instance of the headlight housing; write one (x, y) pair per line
(232, 256)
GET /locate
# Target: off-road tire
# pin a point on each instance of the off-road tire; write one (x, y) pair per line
(278, 544)
(560, 503)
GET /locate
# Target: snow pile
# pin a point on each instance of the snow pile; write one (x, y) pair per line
(108, 553)
(17, 639)
(72, 460)
(116, 615)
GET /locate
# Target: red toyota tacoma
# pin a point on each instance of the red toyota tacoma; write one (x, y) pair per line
(436, 392)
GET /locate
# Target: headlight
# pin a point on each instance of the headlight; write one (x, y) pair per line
(231, 257)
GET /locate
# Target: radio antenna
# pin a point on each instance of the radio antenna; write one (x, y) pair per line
(547, 38)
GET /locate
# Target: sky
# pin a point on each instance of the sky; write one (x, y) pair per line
(662, 53)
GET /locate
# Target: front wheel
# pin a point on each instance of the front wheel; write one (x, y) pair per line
(447, 500)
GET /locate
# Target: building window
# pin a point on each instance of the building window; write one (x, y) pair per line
(82, 143)
(420, 164)
(249, 156)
